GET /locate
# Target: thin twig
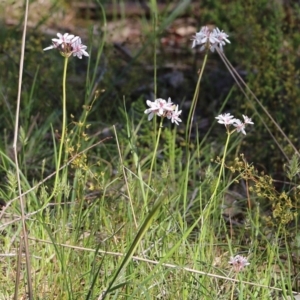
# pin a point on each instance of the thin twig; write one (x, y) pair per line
(15, 147)
(167, 265)
(18, 270)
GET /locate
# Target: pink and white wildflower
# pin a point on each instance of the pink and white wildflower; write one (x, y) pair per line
(62, 40)
(240, 126)
(203, 37)
(174, 115)
(220, 38)
(225, 119)
(153, 110)
(68, 44)
(238, 262)
(210, 39)
(163, 108)
(78, 49)
(158, 107)
(247, 120)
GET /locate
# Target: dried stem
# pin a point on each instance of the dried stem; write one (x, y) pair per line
(15, 147)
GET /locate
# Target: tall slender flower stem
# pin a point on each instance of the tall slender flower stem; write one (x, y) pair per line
(153, 4)
(222, 166)
(227, 120)
(154, 24)
(194, 102)
(63, 131)
(211, 201)
(154, 154)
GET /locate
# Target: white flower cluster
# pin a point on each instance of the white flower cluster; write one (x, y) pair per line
(210, 39)
(68, 44)
(238, 262)
(163, 108)
(228, 119)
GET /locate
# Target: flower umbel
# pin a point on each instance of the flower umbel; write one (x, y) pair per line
(79, 49)
(174, 115)
(210, 39)
(163, 108)
(227, 119)
(238, 262)
(221, 38)
(247, 120)
(68, 44)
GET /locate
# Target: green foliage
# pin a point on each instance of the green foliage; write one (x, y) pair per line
(293, 167)
(283, 208)
(146, 213)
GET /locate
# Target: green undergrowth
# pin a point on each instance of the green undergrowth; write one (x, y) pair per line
(138, 209)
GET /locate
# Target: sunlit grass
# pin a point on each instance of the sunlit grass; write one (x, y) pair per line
(140, 209)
